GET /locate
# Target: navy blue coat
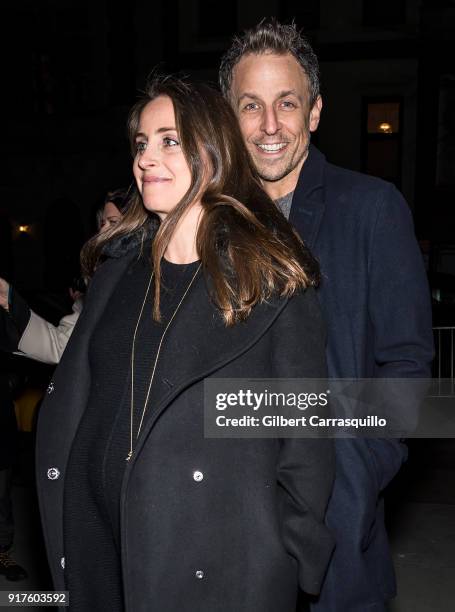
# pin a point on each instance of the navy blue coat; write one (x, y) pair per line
(375, 298)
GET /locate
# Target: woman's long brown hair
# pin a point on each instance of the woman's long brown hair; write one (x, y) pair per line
(247, 247)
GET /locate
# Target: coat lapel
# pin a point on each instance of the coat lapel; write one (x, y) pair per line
(308, 202)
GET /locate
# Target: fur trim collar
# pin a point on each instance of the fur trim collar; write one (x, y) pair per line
(121, 245)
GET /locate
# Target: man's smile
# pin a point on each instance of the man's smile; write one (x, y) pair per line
(276, 147)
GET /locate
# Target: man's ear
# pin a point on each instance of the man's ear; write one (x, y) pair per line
(315, 114)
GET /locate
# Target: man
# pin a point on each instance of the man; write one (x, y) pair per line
(374, 292)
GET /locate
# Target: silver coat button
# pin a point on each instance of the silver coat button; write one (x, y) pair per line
(50, 388)
(62, 562)
(53, 473)
(198, 476)
(200, 574)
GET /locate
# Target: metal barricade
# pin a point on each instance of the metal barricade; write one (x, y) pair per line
(443, 366)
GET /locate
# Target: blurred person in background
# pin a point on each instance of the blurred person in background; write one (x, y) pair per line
(31, 335)
(113, 210)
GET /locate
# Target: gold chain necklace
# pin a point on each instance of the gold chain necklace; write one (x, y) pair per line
(130, 454)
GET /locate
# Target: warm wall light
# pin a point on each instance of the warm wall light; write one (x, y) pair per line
(383, 117)
(385, 127)
(24, 229)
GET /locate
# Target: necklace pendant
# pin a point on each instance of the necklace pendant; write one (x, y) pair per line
(128, 457)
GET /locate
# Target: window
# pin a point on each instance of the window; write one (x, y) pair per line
(383, 118)
(382, 137)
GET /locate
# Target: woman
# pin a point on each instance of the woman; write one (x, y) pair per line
(114, 208)
(31, 335)
(140, 511)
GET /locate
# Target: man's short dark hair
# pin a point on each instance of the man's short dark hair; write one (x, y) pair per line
(270, 36)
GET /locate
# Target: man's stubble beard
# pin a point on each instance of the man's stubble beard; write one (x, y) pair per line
(272, 175)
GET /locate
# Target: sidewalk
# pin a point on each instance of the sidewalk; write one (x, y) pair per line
(421, 524)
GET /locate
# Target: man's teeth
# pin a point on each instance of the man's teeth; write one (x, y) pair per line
(272, 147)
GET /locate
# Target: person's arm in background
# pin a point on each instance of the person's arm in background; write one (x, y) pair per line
(24, 332)
(45, 342)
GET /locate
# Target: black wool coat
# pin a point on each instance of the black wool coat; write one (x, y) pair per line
(246, 535)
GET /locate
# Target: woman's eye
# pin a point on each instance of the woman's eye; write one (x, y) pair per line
(170, 142)
(140, 147)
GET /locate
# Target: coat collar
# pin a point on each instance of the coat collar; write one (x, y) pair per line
(118, 246)
(308, 202)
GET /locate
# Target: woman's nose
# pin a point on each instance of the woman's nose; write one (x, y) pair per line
(148, 158)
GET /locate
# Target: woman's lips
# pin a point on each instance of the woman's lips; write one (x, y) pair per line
(155, 179)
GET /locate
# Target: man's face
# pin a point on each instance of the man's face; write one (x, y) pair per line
(270, 95)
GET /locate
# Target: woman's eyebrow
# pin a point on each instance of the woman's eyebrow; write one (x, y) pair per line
(165, 129)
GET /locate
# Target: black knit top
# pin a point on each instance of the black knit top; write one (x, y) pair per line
(97, 460)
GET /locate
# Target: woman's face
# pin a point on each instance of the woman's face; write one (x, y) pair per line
(162, 174)
(111, 216)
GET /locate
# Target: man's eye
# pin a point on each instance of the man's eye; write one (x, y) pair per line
(140, 147)
(170, 142)
(288, 104)
(251, 106)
